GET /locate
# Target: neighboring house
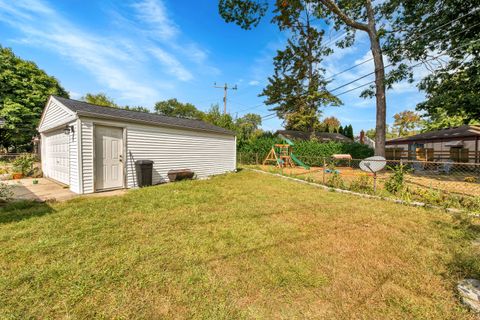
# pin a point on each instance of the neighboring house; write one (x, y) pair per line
(363, 139)
(93, 148)
(320, 136)
(458, 144)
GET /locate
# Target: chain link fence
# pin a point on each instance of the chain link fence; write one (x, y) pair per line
(441, 183)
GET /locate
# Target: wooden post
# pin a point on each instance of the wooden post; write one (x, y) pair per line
(256, 158)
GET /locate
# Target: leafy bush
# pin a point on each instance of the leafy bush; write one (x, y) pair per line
(363, 183)
(335, 181)
(24, 164)
(310, 152)
(5, 192)
(396, 182)
(470, 179)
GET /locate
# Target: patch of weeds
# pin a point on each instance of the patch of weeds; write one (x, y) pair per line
(444, 199)
(24, 164)
(470, 179)
(396, 182)
(363, 183)
(335, 181)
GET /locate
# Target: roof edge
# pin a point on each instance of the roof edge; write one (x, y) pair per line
(152, 123)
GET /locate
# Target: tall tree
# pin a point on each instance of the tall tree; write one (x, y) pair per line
(100, 99)
(297, 89)
(349, 132)
(428, 29)
(24, 91)
(248, 127)
(217, 118)
(175, 108)
(331, 124)
(406, 122)
(303, 120)
(351, 16)
(137, 108)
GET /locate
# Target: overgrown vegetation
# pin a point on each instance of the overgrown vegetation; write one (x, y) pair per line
(5, 192)
(396, 182)
(311, 152)
(24, 164)
(238, 246)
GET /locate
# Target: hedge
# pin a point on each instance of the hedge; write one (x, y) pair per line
(311, 152)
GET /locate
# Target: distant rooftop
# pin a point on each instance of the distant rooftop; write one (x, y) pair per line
(461, 132)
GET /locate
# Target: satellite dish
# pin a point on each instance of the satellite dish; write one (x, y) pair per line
(373, 164)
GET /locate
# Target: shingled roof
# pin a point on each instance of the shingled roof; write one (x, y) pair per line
(461, 132)
(321, 136)
(87, 109)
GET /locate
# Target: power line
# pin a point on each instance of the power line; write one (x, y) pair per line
(269, 115)
(390, 64)
(250, 108)
(410, 67)
(420, 35)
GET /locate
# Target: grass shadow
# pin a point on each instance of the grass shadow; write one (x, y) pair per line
(21, 210)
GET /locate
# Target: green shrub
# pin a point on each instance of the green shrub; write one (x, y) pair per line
(396, 182)
(363, 183)
(335, 181)
(310, 152)
(24, 164)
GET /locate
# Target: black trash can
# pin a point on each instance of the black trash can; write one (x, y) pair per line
(144, 170)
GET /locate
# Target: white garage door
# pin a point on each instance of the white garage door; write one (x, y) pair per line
(57, 155)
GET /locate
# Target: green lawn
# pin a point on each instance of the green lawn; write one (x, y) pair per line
(244, 245)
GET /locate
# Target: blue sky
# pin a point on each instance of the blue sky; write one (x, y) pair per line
(142, 51)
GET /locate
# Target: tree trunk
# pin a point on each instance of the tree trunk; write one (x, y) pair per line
(381, 100)
(376, 49)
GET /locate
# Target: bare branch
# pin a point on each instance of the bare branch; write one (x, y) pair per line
(330, 4)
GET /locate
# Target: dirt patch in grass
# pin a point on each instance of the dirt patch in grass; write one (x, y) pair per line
(242, 245)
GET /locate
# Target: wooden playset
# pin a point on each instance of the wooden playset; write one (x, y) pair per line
(282, 155)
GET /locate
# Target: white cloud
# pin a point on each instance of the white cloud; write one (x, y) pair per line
(103, 58)
(121, 61)
(173, 65)
(254, 83)
(154, 13)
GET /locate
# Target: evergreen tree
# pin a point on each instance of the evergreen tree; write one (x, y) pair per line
(297, 88)
(349, 132)
(340, 130)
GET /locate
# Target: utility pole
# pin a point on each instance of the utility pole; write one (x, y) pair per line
(225, 89)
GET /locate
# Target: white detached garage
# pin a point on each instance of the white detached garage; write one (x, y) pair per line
(93, 148)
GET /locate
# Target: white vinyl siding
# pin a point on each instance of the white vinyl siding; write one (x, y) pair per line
(73, 153)
(204, 153)
(55, 115)
(87, 156)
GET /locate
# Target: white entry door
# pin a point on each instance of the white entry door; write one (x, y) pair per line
(108, 158)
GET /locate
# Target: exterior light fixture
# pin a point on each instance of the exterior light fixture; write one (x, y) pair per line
(68, 129)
